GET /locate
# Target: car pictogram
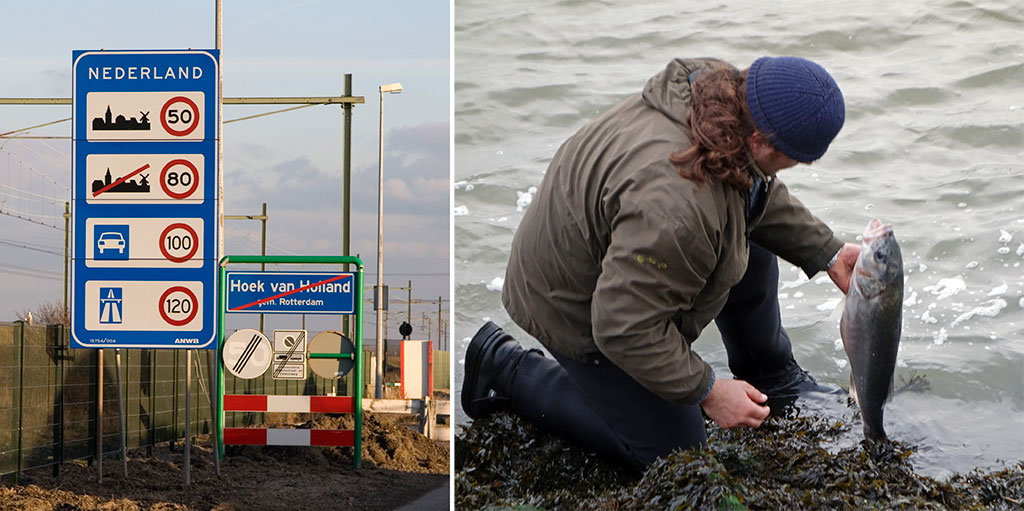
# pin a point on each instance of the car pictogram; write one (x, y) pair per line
(111, 241)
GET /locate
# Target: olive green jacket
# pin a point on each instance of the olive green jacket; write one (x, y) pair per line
(619, 257)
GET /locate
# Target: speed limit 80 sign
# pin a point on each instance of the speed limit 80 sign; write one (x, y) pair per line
(144, 199)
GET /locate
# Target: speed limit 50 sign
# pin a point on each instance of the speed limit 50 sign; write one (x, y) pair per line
(144, 199)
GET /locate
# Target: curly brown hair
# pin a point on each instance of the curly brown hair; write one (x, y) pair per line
(718, 124)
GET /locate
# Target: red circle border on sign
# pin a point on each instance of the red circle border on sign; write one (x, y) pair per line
(179, 133)
(195, 178)
(195, 246)
(174, 322)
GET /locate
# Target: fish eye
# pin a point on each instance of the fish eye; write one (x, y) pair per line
(880, 257)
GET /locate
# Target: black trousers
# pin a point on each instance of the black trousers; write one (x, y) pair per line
(601, 408)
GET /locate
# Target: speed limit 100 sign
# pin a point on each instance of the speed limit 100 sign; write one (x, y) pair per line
(145, 199)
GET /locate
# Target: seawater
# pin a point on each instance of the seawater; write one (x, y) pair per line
(933, 144)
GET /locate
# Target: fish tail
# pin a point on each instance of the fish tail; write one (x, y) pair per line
(876, 434)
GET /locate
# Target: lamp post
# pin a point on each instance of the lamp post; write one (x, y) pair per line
(391, 88)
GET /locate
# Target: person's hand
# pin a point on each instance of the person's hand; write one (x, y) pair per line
(842, 270)
(732, 403)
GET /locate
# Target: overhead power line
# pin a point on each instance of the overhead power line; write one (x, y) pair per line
(22, 194)
(59, 163)
(29, 272)
(16, 245)
(18, 216)
(33, 169)
(34, 127)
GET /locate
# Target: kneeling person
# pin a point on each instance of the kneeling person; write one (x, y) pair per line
(654, 219)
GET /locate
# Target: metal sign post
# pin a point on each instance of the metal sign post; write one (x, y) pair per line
(99, 415)
(122, 423)
(145, 206)
(188, 416)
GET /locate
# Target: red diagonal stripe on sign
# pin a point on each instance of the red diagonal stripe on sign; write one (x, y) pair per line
(120, 180)
(286, 293)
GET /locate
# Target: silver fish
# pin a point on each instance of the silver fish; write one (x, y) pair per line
(871, 322)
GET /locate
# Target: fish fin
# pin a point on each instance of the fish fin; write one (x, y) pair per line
(853, 391)
(837, 313)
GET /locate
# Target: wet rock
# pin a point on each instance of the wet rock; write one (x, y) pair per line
(787, 463)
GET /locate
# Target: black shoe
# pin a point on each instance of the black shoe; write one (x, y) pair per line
(785, 387)
(491, 360)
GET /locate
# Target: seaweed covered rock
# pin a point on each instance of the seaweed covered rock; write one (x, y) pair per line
(790, 462)
(504, 461)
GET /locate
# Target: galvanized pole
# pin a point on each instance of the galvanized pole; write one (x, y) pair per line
(346, 165)
(426, 321)
(379, 383)
(214, 358)
(188, 415)
(60, 417)
(99, 414)
(67, 221)
(21, 396)
(263, 250)
(409, 315)
(121, 423)
(221, 299)
(439, 320)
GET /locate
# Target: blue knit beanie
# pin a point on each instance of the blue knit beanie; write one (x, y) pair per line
(797, 104)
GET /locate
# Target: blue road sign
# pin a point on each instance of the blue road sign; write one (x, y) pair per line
(110, 305)
(291, 293)
(144, 199)
(111, 242)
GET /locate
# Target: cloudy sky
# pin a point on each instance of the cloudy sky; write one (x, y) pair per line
(291, 161)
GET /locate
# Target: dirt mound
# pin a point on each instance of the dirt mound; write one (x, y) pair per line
(34, 498)
(502, 461)
(388, 442)
(398, 466)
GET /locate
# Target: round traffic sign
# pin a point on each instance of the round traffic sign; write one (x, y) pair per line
(331, 341)
(247, 353)
(178, 306)
(171, 181)
(178, 247)
(185, 116)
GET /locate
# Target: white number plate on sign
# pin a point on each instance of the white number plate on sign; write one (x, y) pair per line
(144, 242)
(144, 178)
(143, 305)
(145, 116)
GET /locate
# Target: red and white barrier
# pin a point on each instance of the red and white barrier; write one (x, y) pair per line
(293, 404)
(274, 436)
(286, 404)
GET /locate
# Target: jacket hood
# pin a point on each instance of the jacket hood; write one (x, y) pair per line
(669, 91)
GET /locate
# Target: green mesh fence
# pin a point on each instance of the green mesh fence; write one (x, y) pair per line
(48, 397)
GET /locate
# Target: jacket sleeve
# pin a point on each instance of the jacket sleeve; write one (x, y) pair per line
(789, 230)
(652, 271)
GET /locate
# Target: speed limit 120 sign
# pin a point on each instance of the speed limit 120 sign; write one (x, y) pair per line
(144, 199)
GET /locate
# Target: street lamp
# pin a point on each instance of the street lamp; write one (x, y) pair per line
(391, 88)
